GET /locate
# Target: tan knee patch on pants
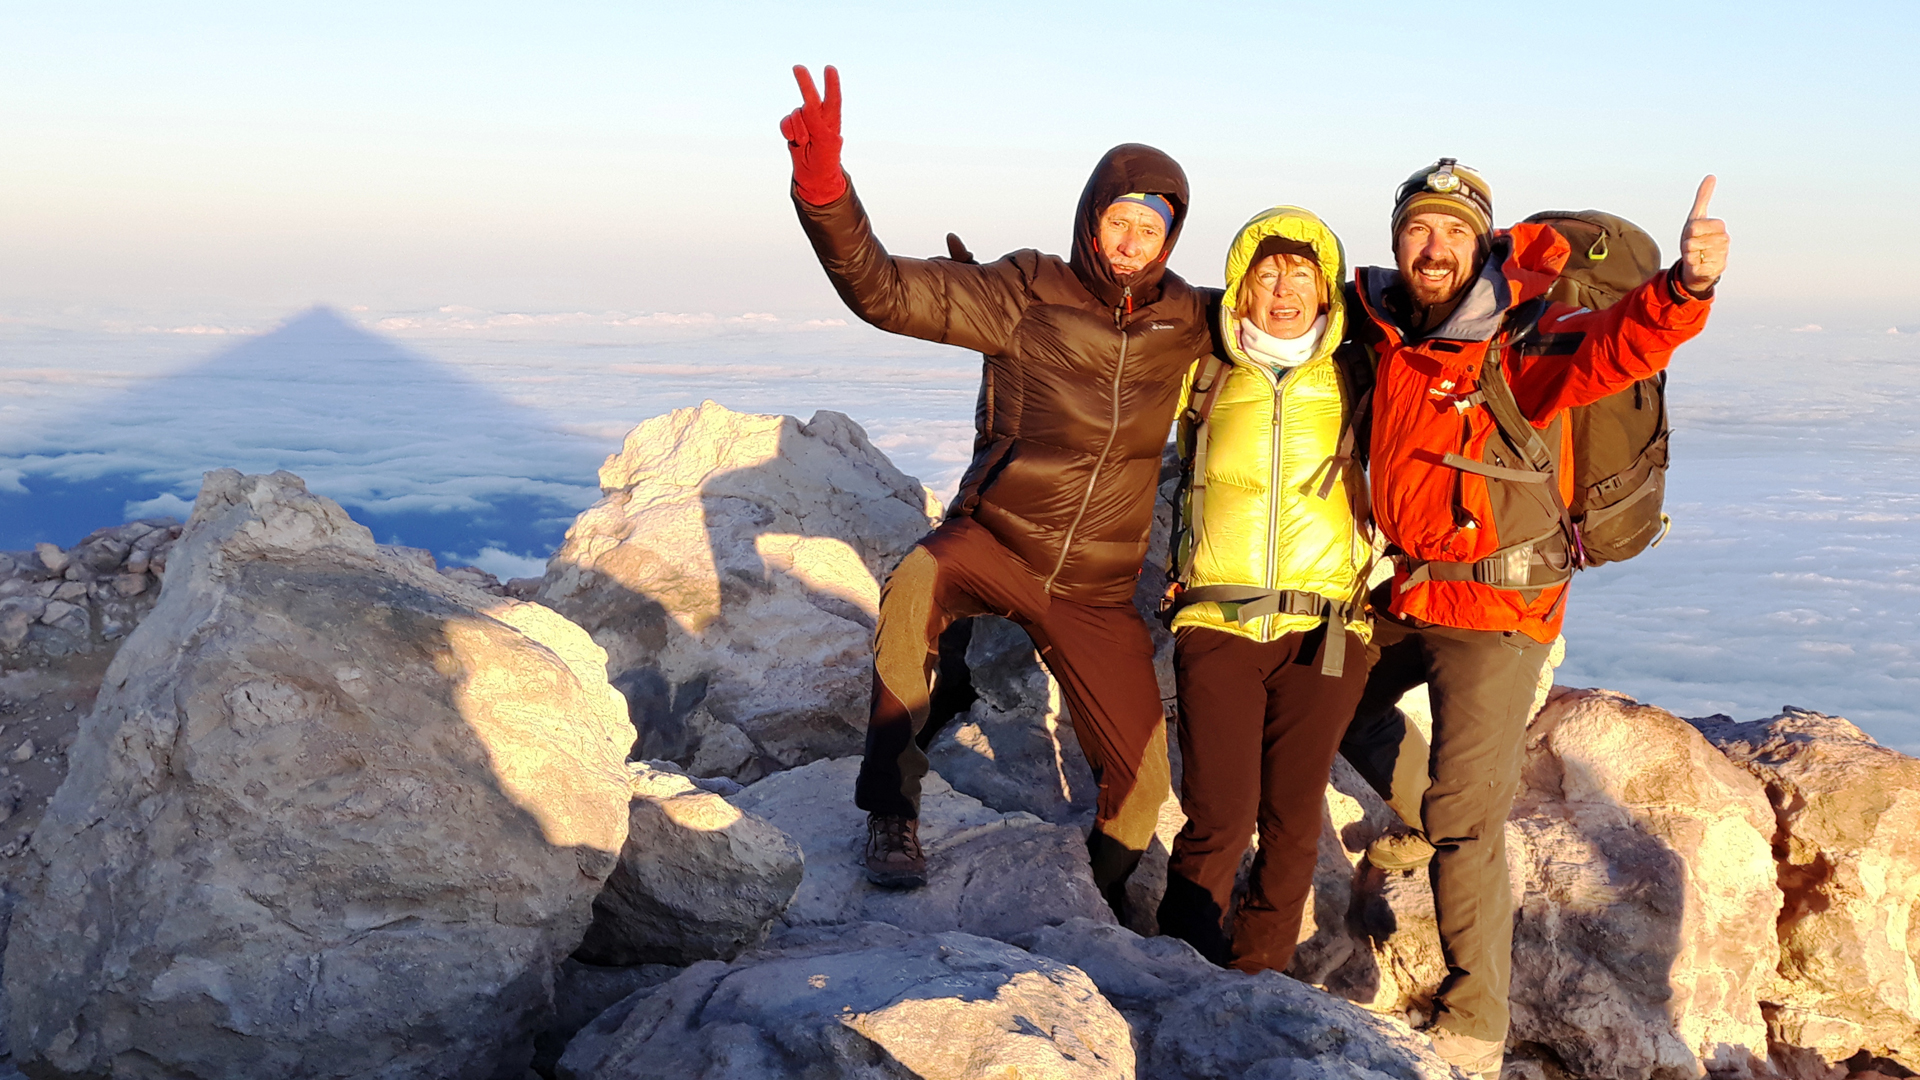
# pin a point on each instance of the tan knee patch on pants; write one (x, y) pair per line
(902, 643)
(1133, 823)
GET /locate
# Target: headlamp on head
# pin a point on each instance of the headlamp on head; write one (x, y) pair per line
(1447, 187)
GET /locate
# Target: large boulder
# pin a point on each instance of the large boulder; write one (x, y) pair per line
(864, 1003)
(1847, 842)
(1643, 891)
(697, 879)
(989, 873)
(333, 814)
(1644, 941)
(731, 570)
(1194, 1021)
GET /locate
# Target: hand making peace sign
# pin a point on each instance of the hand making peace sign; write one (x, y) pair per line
(813, 139)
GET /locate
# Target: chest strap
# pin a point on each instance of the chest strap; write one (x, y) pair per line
(1254, 602)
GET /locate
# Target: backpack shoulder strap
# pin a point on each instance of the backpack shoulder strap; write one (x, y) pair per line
(1497, 395)
(1208, 378)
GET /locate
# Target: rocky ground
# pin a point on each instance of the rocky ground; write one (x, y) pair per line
(331, 811)
(63, 613)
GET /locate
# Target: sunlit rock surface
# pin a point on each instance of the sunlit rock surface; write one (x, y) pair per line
(1193, 1020)
(697, 879)
(731, 570)
(865, 1003)
(1645, 939)
(333, 814)
(1847, 839)
(989, 873)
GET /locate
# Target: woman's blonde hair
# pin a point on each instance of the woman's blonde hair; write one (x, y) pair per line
(1243, 302)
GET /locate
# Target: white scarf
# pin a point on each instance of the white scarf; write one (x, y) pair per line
(1281, 353)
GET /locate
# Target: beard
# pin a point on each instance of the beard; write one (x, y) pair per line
(1428, 295)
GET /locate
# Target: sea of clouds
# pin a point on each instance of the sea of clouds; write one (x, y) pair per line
(1791, 575)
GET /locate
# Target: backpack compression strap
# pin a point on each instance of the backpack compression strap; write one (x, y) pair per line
(1521, 565)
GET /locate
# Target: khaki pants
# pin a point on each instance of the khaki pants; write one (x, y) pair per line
(1482, 686)
(1101, 656)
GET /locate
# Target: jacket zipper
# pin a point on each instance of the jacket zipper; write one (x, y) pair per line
(1273, 499)
(1113, 432)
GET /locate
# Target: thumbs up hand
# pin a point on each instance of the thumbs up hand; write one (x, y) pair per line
(1703, 244)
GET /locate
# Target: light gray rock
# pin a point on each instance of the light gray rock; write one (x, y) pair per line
(1645, 939)
(17, 616)
(731, 571)
(1847, 840)
(697, 879)
(51, 556)
(879, 1004)
(66, 617)
(1191, 1020)
(989, 873)
(332, 815)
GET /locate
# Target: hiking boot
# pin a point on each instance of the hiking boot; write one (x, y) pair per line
(894, 858)
(1480, 1058)
(1400, 851)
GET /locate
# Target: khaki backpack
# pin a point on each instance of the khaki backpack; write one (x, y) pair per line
(1620, 441)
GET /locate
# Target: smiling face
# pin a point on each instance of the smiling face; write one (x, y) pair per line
(1131, 237)
(1436, 255)
(1282, 295)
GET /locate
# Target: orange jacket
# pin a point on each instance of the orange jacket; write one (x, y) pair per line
(1432, 511)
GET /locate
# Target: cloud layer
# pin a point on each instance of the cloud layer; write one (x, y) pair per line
(1792, 575)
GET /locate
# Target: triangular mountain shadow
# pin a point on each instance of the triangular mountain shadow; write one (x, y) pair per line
(413, 447)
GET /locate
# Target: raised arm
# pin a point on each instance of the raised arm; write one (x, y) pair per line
(1584, 356)
(956, 303)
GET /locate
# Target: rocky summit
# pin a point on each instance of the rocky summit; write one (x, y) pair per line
(326, 810)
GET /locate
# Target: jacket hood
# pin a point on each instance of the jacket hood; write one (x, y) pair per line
(1300, 226)
(1126, 168)
(1522, 263)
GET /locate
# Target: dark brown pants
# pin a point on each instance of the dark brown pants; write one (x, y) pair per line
(1101, 656)
(1259, 726)
(1482, 685)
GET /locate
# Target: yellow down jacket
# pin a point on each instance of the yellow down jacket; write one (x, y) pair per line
(1274, 436)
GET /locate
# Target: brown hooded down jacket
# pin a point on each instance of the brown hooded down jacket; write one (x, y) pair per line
(1083, 373)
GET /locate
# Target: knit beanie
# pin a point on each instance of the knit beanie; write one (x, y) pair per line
(1156, 203)
(1446, 187)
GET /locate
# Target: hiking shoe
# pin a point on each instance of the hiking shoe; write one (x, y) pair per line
(1480, 1058)
(1400, 851)
(894, 857)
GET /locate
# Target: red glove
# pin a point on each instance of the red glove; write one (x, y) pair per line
(813, 138)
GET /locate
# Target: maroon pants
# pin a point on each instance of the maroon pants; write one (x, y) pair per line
(1101, 656)
(1259, 725)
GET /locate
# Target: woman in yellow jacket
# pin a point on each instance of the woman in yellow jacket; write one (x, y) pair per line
(1271, 565)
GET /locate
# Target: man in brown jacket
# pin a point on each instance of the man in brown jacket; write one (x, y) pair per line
(1084, 362)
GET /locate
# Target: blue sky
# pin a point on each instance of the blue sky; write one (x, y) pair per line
(250, 159)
